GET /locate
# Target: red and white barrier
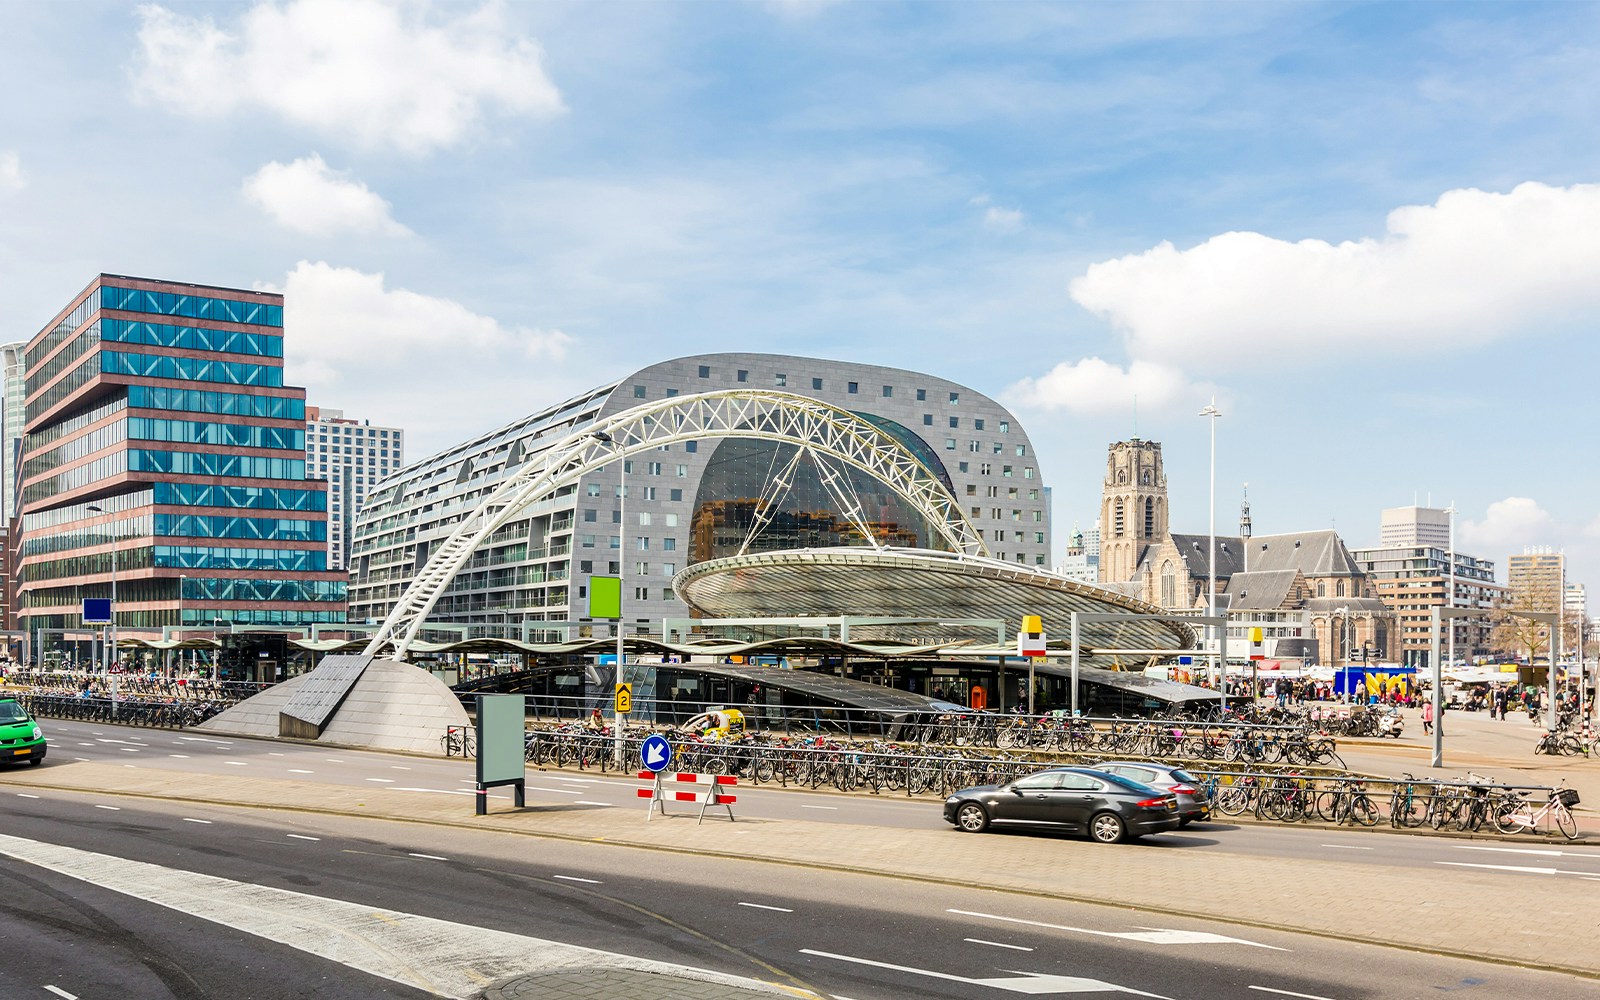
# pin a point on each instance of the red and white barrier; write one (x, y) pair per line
(714, 796)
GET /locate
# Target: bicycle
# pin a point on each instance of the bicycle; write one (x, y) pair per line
(1519, 816)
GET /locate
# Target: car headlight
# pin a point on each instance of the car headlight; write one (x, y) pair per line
(36, 732)
(952, 799)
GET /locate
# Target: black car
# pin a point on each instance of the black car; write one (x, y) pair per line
(1108, 807)
(1193, 804)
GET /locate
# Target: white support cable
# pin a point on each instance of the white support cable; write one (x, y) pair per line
(742, 413)
(767, 506)
(850, 504)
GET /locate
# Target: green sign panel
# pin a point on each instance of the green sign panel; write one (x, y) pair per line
(605, 597)
(501, 725)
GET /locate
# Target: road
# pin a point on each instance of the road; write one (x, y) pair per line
(192, 753)
(846, 936)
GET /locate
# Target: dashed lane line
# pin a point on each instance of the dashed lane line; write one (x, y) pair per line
(58, 991)
(586, 802)
(115, 809)
(300, 770)
(207, 822)
(1547, 852)
(179, 756)
(1347, 847)
(834, 808)
(301, 836)
(25, 795)
(574, 878)
(997, 944)
(763, 906)
(236, 763)
(1148, 935)
(386, 781)
(427, 857)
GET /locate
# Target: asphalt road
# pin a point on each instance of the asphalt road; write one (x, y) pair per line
(851, 937)
(225, 757)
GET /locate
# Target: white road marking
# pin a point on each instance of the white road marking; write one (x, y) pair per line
(63, 994)
(1026, 982)
(25, 795)
(202, 739)
(1503, 868)
(424, 953)
(129, 749)
(334, 760)
(430, 857)
(301, 836)
(397, 767)
(759, 906)
(997, 944)
(1287, 993)
(835, 808)
(180, 756)
(574, 878)
(387, 781)
(85, 744)
(115, 809)
(1548, 852)
(236, 763)
(299, 770)
(84, 759)
(1151, 935)
(274, 753)
(586, 802)
(207, 822)
(573, 781)
(1347, 847)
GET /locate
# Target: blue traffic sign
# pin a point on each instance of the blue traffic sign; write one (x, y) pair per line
(657, 753)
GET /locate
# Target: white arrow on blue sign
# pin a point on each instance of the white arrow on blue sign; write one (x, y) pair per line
(657, 753)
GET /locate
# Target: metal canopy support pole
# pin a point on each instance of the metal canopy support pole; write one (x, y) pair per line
(1075, 664)
(1438, 689)
(1555, 652)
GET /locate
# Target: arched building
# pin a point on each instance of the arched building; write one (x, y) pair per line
(697, 500)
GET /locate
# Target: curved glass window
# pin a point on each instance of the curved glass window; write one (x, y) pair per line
(807, 514)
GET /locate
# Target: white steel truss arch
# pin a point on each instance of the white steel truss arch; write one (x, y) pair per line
(734, 413)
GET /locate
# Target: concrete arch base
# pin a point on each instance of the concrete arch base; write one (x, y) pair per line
(391, 706)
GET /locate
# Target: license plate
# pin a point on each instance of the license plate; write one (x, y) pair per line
(18, 752)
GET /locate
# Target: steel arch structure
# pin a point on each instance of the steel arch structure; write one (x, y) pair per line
(742, 413)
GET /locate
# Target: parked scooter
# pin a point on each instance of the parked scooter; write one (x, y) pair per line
(1391, 723)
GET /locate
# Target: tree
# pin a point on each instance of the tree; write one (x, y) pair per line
(1513, 633)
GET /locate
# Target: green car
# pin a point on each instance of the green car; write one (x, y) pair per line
(20, 737)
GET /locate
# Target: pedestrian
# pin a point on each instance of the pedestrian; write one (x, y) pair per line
(1427, 716)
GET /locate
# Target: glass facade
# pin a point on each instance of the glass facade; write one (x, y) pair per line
(101, 475)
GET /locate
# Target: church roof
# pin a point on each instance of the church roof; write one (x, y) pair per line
(1313, 553)
(1261, 591)
(1195, 552)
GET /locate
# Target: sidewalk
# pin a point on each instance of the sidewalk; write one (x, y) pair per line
(1421, 909)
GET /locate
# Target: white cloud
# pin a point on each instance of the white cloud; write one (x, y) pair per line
(387, 73)
(1507, 525)
(1003, 220)
(1593, 528)
(11, 176)
(337, 316)
(309, 197)
(1096, 386)
(1473, 267)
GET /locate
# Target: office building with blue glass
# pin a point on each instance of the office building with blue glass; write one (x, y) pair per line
(164, 454)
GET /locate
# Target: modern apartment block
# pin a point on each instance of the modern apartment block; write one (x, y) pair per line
(164, 452)
(1414, 579)
(1415, 526)
(693, 501)
(1536, 580)
(351, 456)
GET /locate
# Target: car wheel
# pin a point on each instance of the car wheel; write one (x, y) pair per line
(35, 762)
(971, 818)
(1108, 828)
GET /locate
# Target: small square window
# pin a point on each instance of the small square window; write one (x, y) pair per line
(816, 385)
(780, 380)
(1005, 427)
(672, 392)
(955, 398)
(972, 489)
(927, 420)
(854, 388)
(1005, 470)
(586, 566)
(671, 520)
(963, 466)
(955, 422)
(675, 495)
(977, 423)
(669, 545)
(922, 395)
(742, 375)
(590, 515)
(1022, 450)
(638, 392)
(949, 444)
(691, 446)
(705, 371)
(888, 391)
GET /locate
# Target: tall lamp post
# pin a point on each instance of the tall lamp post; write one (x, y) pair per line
(622, 556)
(1213, 413)
(111, 653)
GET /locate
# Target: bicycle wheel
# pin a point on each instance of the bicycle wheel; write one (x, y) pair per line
(1363, 811)
(1507, 818)
(1565, 823)
(1328, 805)
(1407, 810)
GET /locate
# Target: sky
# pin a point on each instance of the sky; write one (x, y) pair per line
(1370, 231)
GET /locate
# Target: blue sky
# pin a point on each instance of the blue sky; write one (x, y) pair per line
(1371, 230)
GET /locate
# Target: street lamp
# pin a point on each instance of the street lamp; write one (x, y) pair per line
(1213, 413)
(111, 654)
(622, 555)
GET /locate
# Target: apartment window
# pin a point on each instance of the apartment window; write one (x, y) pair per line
(616, 541)
(644, 517)
(1033, 494)
(669, 545)
(994, 492)
(927, 420)
(977, 512)
(653, 468)
(616, 517)
(691, 446)
(643, 543)
(669, 569)
(977, 423)
(642, 569)
(985, 469)
(975, 446)
(999, 448)
(1000, 536)
(854, 388)
(675, 495)
(1005, 471)
(962, 466)
(641, 593)
(683, 472)
(705, 371)
(922, 395)
(949, 444)
(589, 515)
(955, 398)
(638, 392)
(1022, 450)
(1005, 427)
(1027, 472)
(972, 490)
(742, 375)
(648, 493)
(1038, 537)
(586, 566)
(1017, 537)
(780, 380)
(816, 385)
(672, 392)
(617, 491)
(994, 513)
(955, 422)
(888, 391)
(1016, 515)
(670, 520)
(1011, 494)
(1038, 517)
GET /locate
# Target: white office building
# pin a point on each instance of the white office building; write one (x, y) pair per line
(1415, 526)
(352, 455)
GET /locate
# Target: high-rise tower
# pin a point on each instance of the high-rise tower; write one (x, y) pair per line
(1133, 507)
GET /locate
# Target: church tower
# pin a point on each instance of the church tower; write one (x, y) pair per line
(1133, 507)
